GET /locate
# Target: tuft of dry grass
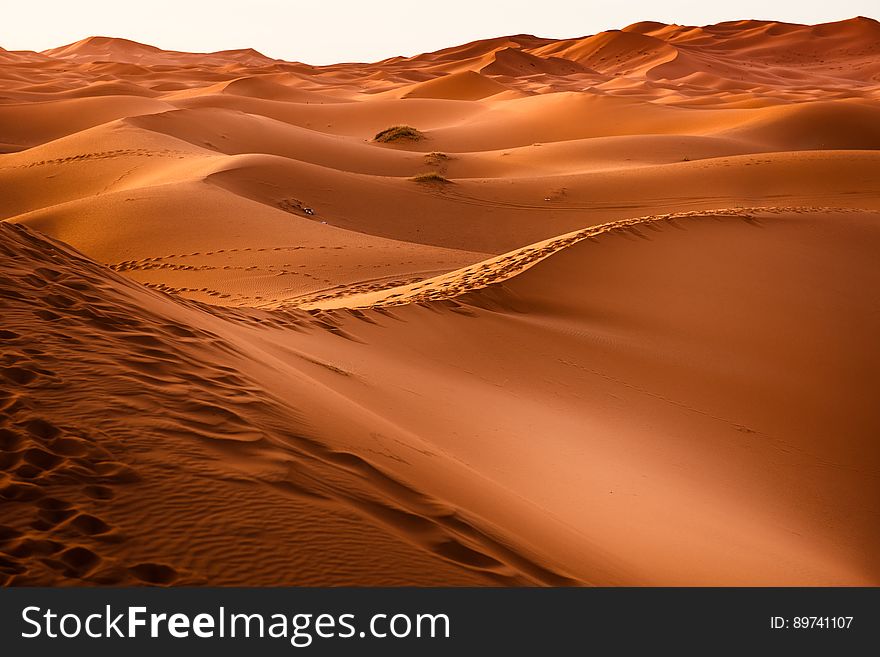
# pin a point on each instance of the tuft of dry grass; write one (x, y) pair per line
(431, 177)
(398, 133)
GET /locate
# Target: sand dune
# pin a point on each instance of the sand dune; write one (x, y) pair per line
(124, 51)
(467, 85)
(604, 315)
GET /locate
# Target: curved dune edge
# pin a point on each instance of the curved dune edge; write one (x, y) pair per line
(503, 267)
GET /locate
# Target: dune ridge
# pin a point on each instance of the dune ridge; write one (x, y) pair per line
(496, 270)
(609, 319)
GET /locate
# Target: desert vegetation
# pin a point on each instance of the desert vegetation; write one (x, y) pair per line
(398, 133)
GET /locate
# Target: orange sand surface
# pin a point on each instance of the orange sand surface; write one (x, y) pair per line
(607, 315)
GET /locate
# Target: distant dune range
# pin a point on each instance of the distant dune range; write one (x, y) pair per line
(607, 314)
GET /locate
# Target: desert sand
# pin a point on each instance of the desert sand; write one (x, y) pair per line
(604, 313)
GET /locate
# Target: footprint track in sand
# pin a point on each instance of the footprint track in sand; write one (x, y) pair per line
(56, 474)
(141, 263)
(161, 263)
(43, 466)
(416, 289)
(495, 270)
(102, 155)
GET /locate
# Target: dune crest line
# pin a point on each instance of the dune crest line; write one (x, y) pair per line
(503, 267)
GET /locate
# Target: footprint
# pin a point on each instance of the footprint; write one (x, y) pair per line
(99, 492)
(18, 375)
(53, 503)
(70, 446)
(90, 525)
(154, 573)
(42, 429)
(80, 560)
(115, 472)
(9, 440)
(8, 534)
(20, 491)
(42, 459)
(52, 517)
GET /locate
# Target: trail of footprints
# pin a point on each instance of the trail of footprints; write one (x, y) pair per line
(358, 288)
(54, 477)
(57, 475)
(486, 273)
(158, 262)
(54, 473)
(165, 263)
(414, 289)
(102, 155)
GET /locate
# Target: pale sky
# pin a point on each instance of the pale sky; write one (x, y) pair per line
(329, 31)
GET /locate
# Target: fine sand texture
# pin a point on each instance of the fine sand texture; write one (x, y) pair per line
(520, 312)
